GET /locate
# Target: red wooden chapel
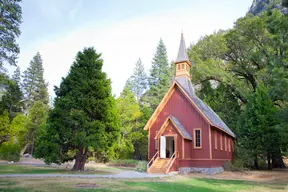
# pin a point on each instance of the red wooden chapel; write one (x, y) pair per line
(184, 133)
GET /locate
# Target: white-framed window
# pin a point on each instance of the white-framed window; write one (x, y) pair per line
(197, 138)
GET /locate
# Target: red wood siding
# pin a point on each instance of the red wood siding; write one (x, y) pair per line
(218, 153)
(188, 148)
(179, 107)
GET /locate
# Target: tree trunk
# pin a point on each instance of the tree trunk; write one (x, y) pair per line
(24, 149)
(277, 161)
(269, 161)
(32, 146)
(80, 160)
(256, 163)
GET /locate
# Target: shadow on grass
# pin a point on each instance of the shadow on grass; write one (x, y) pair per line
(9, 186)
(19, 169)
(245, 184)
(169, 187)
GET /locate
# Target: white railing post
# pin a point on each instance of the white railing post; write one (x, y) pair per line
(152, 160)
(171, 161)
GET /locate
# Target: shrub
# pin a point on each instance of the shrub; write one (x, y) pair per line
(243, 158)
(124, 162)
(10, 151)
(262, 164)
(141, 166)
(237, 164)
(91, 159)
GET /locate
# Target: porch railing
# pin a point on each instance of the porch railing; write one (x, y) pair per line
(152, 160)
(171, 161)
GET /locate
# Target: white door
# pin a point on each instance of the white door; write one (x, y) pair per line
(162, 147)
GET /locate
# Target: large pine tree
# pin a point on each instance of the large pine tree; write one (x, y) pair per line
(84, 115)
(258, 133)
(160, 77)
(11, 98)
(138, 80)
(34, 85)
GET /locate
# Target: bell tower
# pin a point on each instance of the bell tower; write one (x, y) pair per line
(182, 62)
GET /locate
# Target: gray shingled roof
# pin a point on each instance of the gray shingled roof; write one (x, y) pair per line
(186, 84)
(183, 131)
(182, 52)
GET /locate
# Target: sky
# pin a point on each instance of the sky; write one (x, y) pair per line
(123, 31)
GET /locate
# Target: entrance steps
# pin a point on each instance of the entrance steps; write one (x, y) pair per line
(159, 166)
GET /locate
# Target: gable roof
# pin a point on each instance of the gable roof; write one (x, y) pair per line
(185, 85)
(208, 112)
(179, 127)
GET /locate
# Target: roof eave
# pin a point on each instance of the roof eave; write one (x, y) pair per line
(221, 129)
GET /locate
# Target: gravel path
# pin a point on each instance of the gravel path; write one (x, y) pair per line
(121, 175)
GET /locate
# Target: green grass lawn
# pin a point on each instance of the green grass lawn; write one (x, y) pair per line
(177, 183)
(168, 184)
(18, 169)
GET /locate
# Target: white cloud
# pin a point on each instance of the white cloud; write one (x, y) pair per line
(123, 43)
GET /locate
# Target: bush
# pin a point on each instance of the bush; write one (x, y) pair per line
(237, 164)
(10, 151)
(124, 162)
(243, 158)
(262, 164)
(141, 166)
(91, 159)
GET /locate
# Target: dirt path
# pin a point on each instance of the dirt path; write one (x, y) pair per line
(120, 175)
(280, 175)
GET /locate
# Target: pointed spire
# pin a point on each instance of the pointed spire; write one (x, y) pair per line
(182, 52)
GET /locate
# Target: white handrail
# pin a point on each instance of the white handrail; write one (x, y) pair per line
(171, 161)
(152, 160)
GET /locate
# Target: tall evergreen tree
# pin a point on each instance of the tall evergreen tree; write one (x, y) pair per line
(172, 71)
(17, 76)
(10, 20)
(138, 80)
(34, 85)
(11, 97)
(159, 79)
(285, 3)
(84, 115)
(258, 123)
(222, 101)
